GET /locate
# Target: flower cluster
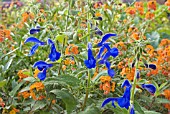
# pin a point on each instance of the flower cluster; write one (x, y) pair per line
(42, 65)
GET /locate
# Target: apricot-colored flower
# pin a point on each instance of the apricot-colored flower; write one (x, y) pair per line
(149, 49)
(149, 15)
(132, 29)
(135, 36)
(113, 86)
(32, 94)
(21, 75)
(105, 79)
(2, 104)
(139, 7)
(37, 85)
(167, 94)
(26, 16)
(36, 73)
(97, 5)
(131, 10)
(167, 3)
(152, 5)
(71, 49)
(97, 14)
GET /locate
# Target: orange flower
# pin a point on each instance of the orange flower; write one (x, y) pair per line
(25, 94)
(2, 104)
(97, 5)
(167, 94)
(149, 15)
(113, 86)
(152, 5)
(71, 49)
(36, 73)
(26, 16)
(149, 49)
(131, 10)
(105, 79)
(167, 3)
(135, 36)
(64, 67)
(106, 88)
(132, 29)
(13, 111)
(21, 75)
(97, 14)
(32, 94)
(37, 85)
(139, 7)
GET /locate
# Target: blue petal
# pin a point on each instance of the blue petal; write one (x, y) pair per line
(89, 45)
(114, 52)
(41, 65)
(123, 102)
(132, 111)
(149, 87)
(33, 39)
(42, 75)
(152, 66)
(100, 52)
(50, 42)
(127, 92)
(33, 49)
(34, 31)
(54, 55)
(126, 83)
(107, 46)
(90, 63)
(105, 37)
(107, 64)
(108, 100)
(111, 72)
(106, 56)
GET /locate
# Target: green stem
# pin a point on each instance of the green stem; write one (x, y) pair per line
(134, 82)
(89, 77)
(63, 45)
(87, 90)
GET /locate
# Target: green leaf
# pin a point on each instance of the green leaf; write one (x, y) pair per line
(162, 85)
(39, 105)
(68, 80)
(2, 83)
(67, 98)
(91, 110)
(151, 112)
(13, 92)
(60, 38)
(154, 37)
(162, 100)
(138, 107)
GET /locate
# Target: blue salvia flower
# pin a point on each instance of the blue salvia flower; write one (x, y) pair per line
(42, 74)
(42, 65)
(54, 54)
(114, 52)
(152, 66)
(91, 61)
(132, 111)
(35, 47)
(105, 37)
(110, 71)
(149, 87)
(35, 40)
(123, 101)
(35, 30)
